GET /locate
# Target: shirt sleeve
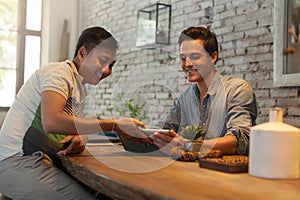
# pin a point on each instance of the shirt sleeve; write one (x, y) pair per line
(241, 114)
(57, 77)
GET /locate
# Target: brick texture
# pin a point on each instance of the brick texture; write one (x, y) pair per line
(153, 77)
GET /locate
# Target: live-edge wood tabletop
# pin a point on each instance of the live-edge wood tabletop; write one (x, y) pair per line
(124, 175)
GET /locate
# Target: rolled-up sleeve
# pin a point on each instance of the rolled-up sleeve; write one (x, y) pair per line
(241, 114)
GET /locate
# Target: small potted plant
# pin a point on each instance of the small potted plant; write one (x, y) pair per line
(193, 136)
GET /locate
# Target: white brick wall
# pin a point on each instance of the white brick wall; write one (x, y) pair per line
(245, 33)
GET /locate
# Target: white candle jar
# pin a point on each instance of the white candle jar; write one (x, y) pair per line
(274, 149)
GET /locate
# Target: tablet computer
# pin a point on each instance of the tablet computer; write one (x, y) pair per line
(150, 131)
(134, 146)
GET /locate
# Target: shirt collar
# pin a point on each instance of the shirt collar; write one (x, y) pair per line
(212, 90)
(196, 89)
(213, 86)
(75, 71)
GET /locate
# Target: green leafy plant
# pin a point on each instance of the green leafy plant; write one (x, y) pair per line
(128, 107)
(193, 132)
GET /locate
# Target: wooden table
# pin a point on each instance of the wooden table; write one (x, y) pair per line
(124, 175)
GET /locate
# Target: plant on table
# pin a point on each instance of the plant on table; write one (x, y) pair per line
(193, 133)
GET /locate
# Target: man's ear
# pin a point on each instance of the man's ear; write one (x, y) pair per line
(81, 53)
(214, 56)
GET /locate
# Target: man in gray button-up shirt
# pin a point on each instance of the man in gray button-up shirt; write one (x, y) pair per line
(224, 106)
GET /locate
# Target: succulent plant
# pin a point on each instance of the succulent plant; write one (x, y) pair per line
(193, 132)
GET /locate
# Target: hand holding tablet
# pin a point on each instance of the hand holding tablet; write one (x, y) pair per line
(150, 131)
(137, 147)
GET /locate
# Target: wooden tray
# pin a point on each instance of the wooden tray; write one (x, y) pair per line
(229, 164)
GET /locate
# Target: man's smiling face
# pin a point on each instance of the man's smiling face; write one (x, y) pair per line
(97, 65)
(195, 61)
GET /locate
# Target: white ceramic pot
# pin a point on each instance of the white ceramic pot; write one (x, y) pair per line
(274, 149)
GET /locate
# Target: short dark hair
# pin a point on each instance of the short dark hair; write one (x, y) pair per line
(93, 36)
(208, 38)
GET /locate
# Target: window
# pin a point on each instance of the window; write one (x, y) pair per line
(286, 43)
(20, 38)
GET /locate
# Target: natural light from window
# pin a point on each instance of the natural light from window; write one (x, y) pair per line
(33, 15)
(29, 33)
(8, 49)
(32, 50)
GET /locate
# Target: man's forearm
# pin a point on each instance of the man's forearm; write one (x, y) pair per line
(226, 144)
